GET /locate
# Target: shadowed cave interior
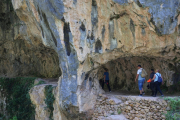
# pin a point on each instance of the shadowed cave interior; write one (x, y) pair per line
(122, 73)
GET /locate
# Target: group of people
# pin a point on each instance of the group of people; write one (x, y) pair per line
(154, 83)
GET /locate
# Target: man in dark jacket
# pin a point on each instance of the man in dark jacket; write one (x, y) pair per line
(152, 85)
(106, 79)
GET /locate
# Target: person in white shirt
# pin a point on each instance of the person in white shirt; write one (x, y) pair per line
(141, 80)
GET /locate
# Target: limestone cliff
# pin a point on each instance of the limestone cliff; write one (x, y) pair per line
(87, 35)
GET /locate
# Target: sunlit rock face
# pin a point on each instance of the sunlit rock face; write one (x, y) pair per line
(87, 34)
(164, 13)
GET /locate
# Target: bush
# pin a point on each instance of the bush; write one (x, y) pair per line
(49, 99)
(174, 113)
(14, 118)
(119, 112)
(18, 103)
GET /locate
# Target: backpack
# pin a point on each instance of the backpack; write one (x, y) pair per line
(159, 79)
(144, 73)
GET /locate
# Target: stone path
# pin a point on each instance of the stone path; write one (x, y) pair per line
(147, 95)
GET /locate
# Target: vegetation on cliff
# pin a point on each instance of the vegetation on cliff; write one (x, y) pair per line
(16, 91)
(174, 112)
(49, 100)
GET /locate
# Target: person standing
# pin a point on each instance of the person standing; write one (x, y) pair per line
(141, 80)
(106, 79)
(157, 83)
(152, 85)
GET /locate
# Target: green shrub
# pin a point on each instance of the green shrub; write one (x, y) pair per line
(112, 113)
(174, 113)
(14, 118)
(119, 112)
(18, 103)
(49, 99)
(2, 117)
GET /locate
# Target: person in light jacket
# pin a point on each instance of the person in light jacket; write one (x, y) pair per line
(157, 84)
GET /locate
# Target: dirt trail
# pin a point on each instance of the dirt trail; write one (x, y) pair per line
(47, 81)
(115, 117)
(54, 81)
(136, 94)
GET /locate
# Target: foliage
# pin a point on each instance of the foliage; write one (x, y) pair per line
(119, 112)
(112, 113)
(49, 99)
(18, 103)
(14, 118)
(174, 113)
(2, 117)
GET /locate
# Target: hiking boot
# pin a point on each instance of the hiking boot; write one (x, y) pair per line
(140, 95)
(162, 95)
(109, 91)
(143, 93)
(154, 95)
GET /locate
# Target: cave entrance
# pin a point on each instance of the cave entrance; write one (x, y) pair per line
(122, 73)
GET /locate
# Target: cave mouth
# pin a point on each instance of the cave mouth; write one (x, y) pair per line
(122, 73)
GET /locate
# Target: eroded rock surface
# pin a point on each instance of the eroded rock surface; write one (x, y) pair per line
(19, 54)
(18, 58)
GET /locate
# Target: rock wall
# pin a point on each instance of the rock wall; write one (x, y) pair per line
(87, 34)
(133, 108)
(18, 55)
